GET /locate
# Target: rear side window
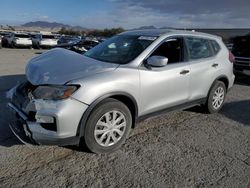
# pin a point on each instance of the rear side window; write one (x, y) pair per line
(198, 48)
(215, 46)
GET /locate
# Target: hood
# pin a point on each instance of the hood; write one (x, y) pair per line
(59, 66)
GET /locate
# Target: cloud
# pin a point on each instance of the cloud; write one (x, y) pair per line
(178, 13)
(44, 17)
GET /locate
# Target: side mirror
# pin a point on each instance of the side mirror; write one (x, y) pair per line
(157, 61)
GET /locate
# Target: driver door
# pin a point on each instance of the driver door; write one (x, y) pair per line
(168, 86)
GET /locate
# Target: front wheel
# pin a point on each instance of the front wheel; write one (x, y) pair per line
(216, 97)
(12, 45)
(108, 126)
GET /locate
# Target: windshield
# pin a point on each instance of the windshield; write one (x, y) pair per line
(22, 36)
(120, 49)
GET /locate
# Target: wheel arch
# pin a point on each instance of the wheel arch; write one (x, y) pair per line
(123, 97)
(222, 78)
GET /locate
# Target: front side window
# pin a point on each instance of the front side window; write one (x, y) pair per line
(120, 49)
(198, 48)
(171, 49)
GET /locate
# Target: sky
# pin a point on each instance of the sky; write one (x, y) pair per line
(129, 13)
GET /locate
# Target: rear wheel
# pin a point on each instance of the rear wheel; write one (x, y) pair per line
(108, 126)
(216, 97)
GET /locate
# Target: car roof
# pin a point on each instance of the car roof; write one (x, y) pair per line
(162, 32)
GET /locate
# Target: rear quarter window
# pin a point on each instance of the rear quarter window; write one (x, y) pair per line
(216, 47)
(198, 48)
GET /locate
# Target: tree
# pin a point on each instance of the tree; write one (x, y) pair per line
(95, 32)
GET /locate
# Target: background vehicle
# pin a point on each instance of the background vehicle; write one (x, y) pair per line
(44, 41)
(1, 41)
(80, 46)
(96, 98)
(17, 40)
(68, 40)
(241, 51)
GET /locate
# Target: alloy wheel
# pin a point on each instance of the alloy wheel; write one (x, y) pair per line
(218, 98)
(110, 128)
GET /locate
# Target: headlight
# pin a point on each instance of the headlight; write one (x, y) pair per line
(54, 92)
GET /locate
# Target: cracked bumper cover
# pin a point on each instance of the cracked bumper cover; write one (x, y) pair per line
(67, 115)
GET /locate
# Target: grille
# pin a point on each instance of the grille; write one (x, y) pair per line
(242, 61)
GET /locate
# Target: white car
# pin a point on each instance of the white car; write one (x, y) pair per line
(18, 40)
(95, 99)
(44, 41)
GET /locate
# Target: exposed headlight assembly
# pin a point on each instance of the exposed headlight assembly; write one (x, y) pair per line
(54, 92)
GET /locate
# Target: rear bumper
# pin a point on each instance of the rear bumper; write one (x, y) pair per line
(22, 129)
(23, 44)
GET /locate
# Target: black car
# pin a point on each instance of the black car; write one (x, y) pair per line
(3, 40)
(241, 51)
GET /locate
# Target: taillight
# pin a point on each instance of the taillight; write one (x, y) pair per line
(231, 57)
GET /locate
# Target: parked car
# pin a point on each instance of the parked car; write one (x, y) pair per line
(98, 97)
(17, 40)
(68, 40)
(1, 41)
(80, 46)
(3, 38)
(229, 46)
(241, 51)
(44, 41)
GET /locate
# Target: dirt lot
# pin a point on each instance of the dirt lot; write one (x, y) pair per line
(180, 149)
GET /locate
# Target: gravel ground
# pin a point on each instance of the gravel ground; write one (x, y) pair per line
(180, 149)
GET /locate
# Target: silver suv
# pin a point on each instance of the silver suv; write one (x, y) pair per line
(96, 98)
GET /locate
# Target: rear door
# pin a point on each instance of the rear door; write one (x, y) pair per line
(203, 65)
(168, 86)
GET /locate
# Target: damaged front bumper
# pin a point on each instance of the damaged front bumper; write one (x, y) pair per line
(45, 122)
(19, 126)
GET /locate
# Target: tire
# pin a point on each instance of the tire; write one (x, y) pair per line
(97, 131)
(217, 93)
(38, 46)
(12, 45)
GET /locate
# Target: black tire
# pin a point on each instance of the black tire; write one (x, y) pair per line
(38, 46)
(210, 108)
(12, 45)
(97, 113)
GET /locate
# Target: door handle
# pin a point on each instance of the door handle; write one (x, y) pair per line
(215, 65)
(184, 72)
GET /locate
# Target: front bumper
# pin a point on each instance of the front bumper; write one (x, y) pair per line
(25, 131)
(242, 66)
(32, 115)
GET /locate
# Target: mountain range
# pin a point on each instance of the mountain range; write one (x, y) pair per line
(50, 25)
